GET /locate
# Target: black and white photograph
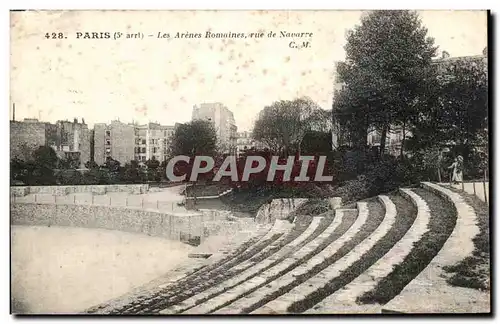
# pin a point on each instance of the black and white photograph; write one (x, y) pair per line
(250, 162)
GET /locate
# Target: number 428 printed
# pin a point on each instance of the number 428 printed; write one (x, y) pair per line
(55, 36)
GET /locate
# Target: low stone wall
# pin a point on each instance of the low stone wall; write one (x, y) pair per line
(278, 209)
(211, 197)
(19, 191)
(65, 190)
(149, 222)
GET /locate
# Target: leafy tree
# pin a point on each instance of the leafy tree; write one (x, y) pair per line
(386, 73)
(316, 142)
(282, 125)
(70, 162)
(457, 115)
(112, 165)
(46, 157)
(91, 165)
(153, 169)
(131, 172)
(197, 137)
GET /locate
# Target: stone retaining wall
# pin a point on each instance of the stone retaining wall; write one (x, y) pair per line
(278, 209)
(65, 190)
(149, 222)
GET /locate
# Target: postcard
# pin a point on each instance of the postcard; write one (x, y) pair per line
(218, 162)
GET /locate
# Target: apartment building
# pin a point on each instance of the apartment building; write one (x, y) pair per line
(26, 136)
(71, 139)
(244, 141)
(223, 120)
(152, 140)
(68, 139)
(116, 140)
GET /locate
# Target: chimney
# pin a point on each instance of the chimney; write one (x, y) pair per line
(14, 111)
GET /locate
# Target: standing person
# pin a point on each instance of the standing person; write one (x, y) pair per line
(457, 167)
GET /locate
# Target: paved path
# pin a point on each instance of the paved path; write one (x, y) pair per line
(166, 199)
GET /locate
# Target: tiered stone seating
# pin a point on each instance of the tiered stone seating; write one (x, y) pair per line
(318, 281)
(185, 272)
(295, 260)
(429, 292)
(241, 277)
(344, 300)
(363, 260)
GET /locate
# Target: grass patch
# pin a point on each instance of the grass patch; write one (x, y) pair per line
(347, 222)
(474, 271)
(406, 214)
(376, 214)
(325, 222)
(221, 276)
(311, 207)
(251, 199)
(442, 221)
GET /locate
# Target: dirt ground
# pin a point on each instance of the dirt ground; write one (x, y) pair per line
(66, 270)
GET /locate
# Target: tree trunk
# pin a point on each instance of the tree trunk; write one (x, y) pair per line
(383, 138)
(401, 152)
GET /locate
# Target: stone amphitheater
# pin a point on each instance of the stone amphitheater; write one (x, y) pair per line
(384, 254)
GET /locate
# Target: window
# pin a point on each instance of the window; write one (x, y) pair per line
(143, 158)
(165, 133)
(154, 149)
(143, 150)
(108, 142)
(108, 133)
(143, 141)
(108, 151)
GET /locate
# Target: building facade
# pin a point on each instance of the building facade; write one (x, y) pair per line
(244, 141)
(68, 139)
(223, 120)
(71, 139)
(26, 136)
(152, 141)
(116, 141)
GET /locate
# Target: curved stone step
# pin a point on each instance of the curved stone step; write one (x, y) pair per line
(248, 270)
(197, 286)
(344, 300)
(429, 292)
(279, 269)
(187, 283)
(274, 286)
(281, 304)
(185, 270)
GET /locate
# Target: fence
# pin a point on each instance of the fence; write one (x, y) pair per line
(479, 188)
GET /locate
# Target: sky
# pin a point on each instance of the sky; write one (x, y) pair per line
(160, 80)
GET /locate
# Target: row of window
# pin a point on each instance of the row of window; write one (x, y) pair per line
(154, 133)
(143, 158)
(142, 141)
(143, 150)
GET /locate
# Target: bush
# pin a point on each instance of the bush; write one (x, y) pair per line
(379, 177)
(312, 207)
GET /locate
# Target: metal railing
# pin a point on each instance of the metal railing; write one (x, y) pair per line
(479, 187)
